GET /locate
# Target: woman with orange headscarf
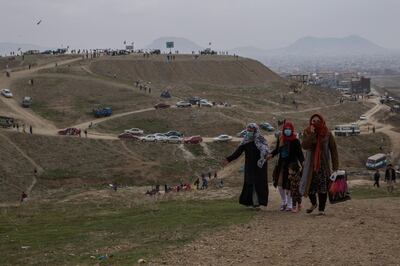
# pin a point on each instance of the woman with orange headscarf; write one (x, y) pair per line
(320, 159)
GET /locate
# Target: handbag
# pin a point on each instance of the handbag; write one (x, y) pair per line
(338, 188)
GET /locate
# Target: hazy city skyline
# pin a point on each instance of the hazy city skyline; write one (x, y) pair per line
(225, 23)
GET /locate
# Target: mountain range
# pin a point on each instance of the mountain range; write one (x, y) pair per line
(319, 47)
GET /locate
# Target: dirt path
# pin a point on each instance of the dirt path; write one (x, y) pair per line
(383, 128)
(41, 125)
(103, 119)
(358, 232)
(32, 162)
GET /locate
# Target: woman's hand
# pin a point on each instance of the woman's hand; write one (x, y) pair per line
(225, 162)
(269, 157)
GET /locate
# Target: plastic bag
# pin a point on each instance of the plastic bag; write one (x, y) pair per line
(338, 189)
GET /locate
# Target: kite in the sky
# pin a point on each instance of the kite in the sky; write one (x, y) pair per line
(40, 21)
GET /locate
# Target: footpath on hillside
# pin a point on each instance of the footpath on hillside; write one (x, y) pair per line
(358, 232)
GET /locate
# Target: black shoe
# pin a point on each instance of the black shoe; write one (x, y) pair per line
(312, 208)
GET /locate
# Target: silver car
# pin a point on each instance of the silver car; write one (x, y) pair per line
(148, 138)
(183, 104)
(174, 139)
(6, 93)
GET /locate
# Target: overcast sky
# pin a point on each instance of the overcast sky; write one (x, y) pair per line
(225, 23)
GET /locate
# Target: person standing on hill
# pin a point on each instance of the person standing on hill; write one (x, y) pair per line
(390, 177)
(377, 176)
(255, 187)
(289, 150)
(321, 148)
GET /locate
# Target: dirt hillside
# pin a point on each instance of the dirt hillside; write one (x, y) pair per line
(359, 232)
(186, 70)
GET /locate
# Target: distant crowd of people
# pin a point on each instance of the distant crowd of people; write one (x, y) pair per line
(201, 183)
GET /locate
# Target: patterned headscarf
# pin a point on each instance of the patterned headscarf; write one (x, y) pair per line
(259, 141)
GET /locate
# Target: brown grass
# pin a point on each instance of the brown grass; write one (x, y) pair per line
(68, 100)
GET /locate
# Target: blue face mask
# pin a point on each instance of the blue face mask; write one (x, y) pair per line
(287, 132)
(249, 134)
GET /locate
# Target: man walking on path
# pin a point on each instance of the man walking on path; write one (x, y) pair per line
(30, 130)
(377, 176)
(85, 133)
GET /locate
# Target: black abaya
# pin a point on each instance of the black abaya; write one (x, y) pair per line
(255, 178)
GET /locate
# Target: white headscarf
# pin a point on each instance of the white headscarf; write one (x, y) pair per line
(259, 141)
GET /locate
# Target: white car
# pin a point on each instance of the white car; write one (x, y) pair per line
(6, 93)
(134, 131)
(183, 104)
(148, 138)
(222, 138)
(363, 117)
(161, 137)
(174, 139)
(205, 103)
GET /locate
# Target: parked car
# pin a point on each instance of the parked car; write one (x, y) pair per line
(27, 101)
(102, 112)
(267, 126)
(128, 135)
(363, 117)
(70, 131)
(183, 104)
(148, 138)
(174, 139)
(162, 106)
(6, 122)
(161, 137)
(134, 131)
(173, 133)
(222, 138)
(241, 134)
(6, 93)
(193, 140)
(205, 103)
(194, 100)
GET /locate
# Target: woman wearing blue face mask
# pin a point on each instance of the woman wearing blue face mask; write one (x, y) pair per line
(289, 150)
(255, 147)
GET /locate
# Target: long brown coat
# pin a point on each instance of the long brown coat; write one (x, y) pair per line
(329, 159)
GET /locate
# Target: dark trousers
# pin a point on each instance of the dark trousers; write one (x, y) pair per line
(376, 183)
(322, 197)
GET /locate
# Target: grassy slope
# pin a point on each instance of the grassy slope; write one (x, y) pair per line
(67, 100)
(73, 162)
(70, 235)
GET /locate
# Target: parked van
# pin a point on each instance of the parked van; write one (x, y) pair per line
(347, 130)
(27, 101)
(6, 122)
(376, 161)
